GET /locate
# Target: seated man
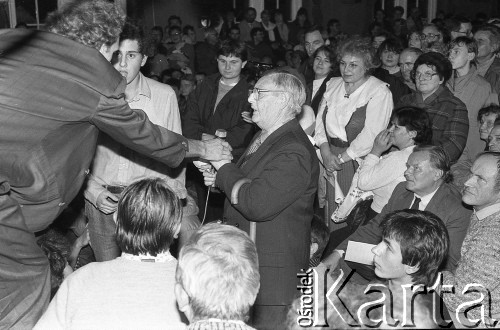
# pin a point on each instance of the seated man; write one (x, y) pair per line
(135, 290)
(210, 300)
(479, 262)
(426, 188)
(414, 245)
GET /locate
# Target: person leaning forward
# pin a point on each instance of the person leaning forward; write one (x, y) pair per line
(57, 91)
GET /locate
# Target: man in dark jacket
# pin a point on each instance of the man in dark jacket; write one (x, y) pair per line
(57, 91)
(270, 193)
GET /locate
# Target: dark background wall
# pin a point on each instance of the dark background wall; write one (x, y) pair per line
(354, 15)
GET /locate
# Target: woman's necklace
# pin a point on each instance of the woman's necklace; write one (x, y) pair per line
(349, 90)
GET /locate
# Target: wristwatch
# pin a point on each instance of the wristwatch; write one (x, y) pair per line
(341, 159)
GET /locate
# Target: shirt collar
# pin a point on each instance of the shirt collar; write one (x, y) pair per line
(424, 200)
(142, 88)
(487, 211)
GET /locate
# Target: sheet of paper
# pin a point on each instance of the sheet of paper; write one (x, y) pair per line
(359, 252)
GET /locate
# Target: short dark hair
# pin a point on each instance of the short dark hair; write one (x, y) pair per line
(233, 48)
(251, 9)
(438, 158)
(255, 30)
(57, 249)
(312, 28)
(391, 45)
(319, 235)
(93, 23)
(453, 23)
(437, 61)
(470, 43)
(489, 110)
(329, 52)
(148, 215)
(131, 31)
(423, 239)
(415, 119)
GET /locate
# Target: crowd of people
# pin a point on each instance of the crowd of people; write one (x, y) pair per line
(148, 180)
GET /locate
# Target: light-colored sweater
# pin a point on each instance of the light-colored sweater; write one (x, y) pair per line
(382, 174)
(479, 264)
(116, 294)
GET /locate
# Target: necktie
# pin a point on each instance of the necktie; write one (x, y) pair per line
(251, 150)
(416, 204)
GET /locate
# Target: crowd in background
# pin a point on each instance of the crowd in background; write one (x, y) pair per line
(399, 118)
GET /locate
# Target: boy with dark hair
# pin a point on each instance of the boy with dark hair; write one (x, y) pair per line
(115, 167)
(137, 288)
(414, 246)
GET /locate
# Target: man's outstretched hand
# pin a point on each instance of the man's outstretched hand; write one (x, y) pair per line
(217, 150)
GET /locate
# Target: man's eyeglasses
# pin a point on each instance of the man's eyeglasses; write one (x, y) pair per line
(429, 36)
(407, 65)
(260, 90)
(423, 76)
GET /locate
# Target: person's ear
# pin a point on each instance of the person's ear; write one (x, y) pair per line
(177, 230)
(144, 59)
(182, 300)
(243, 64)
(412, 134)
(471, 56)
(438, 174)
(409, 270)
(115, 217)
(314, 249)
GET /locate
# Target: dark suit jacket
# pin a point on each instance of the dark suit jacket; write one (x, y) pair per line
(446, 204)
(284, 178)
(201, 118)
(55, 96)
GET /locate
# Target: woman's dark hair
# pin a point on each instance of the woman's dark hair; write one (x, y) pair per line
(436, 61)
(148, 215)
(329, 52)
(414, 119)
(391, 45)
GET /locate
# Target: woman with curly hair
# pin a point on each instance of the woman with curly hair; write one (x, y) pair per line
(355, 108)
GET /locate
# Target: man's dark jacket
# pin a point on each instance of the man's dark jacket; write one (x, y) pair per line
(201, 118)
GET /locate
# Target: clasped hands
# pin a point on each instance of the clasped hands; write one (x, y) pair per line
(209, 170)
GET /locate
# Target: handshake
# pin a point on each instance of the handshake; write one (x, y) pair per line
(214, 159)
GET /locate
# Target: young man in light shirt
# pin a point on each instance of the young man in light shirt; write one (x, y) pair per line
(116, 166)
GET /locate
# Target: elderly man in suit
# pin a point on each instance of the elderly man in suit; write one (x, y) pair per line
(271, 192)
(57, 91)
(426, 188)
